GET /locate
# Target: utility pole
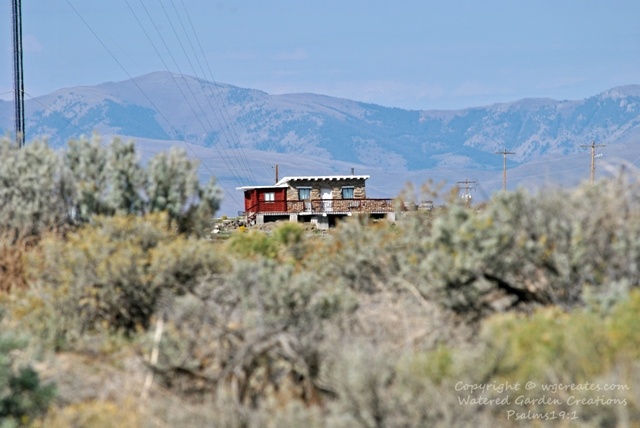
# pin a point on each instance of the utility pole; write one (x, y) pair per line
(276, 167)
(504, 169)
(467, 189)
(593, 146)
(18, 81)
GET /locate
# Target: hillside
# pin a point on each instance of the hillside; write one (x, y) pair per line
(239, 134)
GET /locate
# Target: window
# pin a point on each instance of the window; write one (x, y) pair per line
(304, 193)
(269, 196)
(347, 193)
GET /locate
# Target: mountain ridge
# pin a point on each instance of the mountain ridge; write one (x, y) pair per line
(227, 120)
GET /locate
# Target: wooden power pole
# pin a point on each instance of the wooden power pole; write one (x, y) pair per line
(504, 153)
(593, 146)
(18, 77)
(467, 186)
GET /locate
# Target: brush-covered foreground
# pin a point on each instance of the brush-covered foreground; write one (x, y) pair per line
(124, 312)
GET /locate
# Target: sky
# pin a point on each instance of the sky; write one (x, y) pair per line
(412, 54)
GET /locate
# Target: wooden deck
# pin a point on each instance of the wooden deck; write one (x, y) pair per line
(336, 206)
(323, 206)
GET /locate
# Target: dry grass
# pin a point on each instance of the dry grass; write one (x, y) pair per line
(13, 252)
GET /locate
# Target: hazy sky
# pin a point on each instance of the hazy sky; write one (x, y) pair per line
(417, 54)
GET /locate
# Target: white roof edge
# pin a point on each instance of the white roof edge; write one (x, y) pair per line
(273, 186)
(285, 180)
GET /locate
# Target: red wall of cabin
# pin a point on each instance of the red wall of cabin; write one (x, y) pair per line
(250, 199)
(254, 200)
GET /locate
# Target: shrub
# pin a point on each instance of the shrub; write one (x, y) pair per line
(40, 190)
(114, 271)
(554, 347)
(360, 255)
(13, 255)
(93, 413)
(35, 190)
(285, 242)
(523, 250)
(22, 397)
(257, 328)
(174, 187)
(125, 179)
(87, 161)
(252, 243)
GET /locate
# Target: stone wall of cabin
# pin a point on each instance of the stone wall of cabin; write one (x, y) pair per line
(316, 186)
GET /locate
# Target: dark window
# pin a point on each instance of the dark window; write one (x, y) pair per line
(347, 193)
(304, 194)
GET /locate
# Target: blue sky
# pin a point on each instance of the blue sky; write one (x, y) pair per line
(417, 54)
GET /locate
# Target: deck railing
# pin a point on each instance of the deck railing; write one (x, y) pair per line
(341, 206)
(321, 206)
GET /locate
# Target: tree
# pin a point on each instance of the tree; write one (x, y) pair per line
(22, 396)
(125, 179)
(35, 191)
(87, 161)
(174, 187)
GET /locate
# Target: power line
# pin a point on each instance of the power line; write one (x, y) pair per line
(193, 110)
(226, 120)
(229, 124)
(231, 137)
(232, 167)
(52, 111)
(144, 93)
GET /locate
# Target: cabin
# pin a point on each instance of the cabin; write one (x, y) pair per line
(321, 200)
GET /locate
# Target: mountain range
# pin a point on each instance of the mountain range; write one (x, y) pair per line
(240, 134)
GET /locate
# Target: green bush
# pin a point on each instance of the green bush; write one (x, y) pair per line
(92, 413)
(367, 325)
(22, 396)
(41, 190)
(360, 255)
(258, 327)
(286, 242)
(173, 186)
(554, 347)
(113, 272)
(252, 244)
(87, 161)
(35, 189)
(523, 250)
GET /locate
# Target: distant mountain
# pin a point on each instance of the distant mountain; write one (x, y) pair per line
(239, 133)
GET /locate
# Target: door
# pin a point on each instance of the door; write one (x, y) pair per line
(304, 195)
(326, 193)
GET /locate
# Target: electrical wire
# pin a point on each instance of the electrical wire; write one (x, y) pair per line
(144, 93)
(177, 84)
(226, 124)
(226, 120)
(231, 137)
(233, 168)
(52, 111)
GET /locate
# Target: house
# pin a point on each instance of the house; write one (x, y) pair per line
(317, 199)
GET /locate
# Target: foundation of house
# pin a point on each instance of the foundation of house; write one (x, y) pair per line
(320, 221)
